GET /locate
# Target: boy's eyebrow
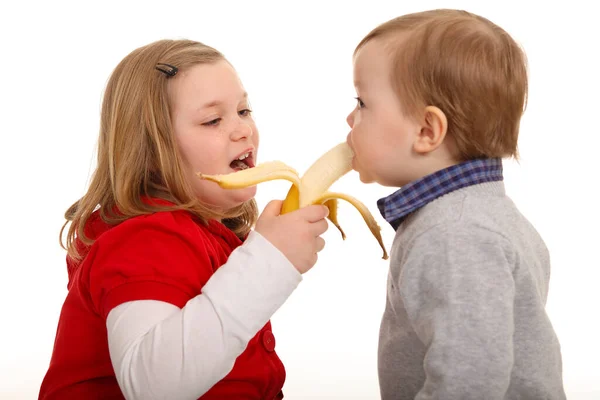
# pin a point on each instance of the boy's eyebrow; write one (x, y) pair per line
(219, 102)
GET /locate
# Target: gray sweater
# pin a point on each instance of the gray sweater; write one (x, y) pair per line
(464, 316)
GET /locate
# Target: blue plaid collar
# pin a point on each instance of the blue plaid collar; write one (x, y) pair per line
(395, 207)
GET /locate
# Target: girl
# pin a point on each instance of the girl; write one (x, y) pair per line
(170, 290)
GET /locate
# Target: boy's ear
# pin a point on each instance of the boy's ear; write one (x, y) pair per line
(433, 130)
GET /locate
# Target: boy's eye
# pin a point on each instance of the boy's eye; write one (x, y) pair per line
(359, 102)
(212, 122)
(245, 112)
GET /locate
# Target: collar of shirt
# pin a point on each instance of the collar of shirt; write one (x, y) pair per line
(396, 207)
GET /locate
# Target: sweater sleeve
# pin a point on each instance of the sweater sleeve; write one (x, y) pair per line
(161, 351)
(458, 290)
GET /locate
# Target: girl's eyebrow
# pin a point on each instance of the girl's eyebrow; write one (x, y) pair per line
(219, 102)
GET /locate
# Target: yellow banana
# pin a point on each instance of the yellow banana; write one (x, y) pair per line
(312, 188)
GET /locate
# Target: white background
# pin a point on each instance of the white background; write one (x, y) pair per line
(295, 61)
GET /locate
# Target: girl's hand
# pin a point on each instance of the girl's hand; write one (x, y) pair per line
(295, 234)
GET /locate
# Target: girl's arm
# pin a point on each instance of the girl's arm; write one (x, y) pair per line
(161, 351)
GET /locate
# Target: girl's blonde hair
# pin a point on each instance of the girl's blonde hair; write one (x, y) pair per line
(137, 155)
(465, 65)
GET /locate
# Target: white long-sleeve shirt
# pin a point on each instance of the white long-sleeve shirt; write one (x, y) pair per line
(160, 351)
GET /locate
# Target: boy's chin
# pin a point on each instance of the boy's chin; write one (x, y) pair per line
(365, 177)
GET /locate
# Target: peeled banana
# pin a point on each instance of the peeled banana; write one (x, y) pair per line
(312, 188)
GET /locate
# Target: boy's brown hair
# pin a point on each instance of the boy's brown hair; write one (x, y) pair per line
(138, 158)
(466, 66)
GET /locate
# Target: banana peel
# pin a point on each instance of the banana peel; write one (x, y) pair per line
(311, 188)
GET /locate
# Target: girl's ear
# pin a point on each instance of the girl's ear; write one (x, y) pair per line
(433, 130)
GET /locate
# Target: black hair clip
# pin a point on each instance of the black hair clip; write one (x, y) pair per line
(171, 71)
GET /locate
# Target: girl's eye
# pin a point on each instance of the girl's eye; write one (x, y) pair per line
(213, 122)
(245, 112)
(359, 102)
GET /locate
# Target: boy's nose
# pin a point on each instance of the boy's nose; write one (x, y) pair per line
(350, 119)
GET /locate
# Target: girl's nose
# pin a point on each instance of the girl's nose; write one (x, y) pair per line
(241, 131)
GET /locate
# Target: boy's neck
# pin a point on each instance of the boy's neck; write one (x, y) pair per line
(433, 165)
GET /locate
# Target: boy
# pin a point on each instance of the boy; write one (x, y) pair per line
(440, 97)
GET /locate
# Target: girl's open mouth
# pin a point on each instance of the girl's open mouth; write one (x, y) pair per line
(244, 161)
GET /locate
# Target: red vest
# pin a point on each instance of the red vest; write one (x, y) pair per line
(166, 256)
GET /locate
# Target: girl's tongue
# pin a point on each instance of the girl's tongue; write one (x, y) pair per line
(238, 165)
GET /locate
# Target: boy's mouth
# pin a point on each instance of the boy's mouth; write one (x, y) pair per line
(243, 161)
